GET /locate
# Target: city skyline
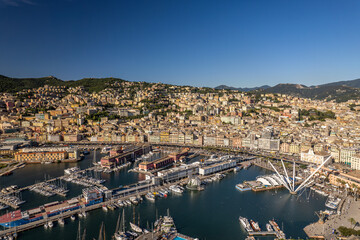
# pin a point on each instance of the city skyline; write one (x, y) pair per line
(236, 43)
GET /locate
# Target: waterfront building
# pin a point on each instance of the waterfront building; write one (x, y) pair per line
(159, 163)
(335, 154)
(355, 162)
(341, 179)
(312, 157)
(182, 171)
(217, 167)
(124, 156)
(346, 154)
(38, 155)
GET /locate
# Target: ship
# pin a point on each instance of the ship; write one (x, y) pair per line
(120, 228)
(150, 196)
(135, 227)
(269, 228)
(242, 187)
(167, 223)
(255, 226)
(176, 189)
(194, 184)
(245, 223)
(71, 170)
(332, 202)
(16, 218)
(274, 225)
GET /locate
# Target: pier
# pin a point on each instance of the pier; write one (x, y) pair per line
(263, 233)
(8, 203)
(124, 193)
(120, 195)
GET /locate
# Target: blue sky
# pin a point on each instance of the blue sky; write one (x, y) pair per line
(186, 42)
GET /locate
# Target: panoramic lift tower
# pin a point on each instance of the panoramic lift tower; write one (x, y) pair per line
(290, 184)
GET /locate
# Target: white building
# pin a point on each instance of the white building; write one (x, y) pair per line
(217, 167)
(182, 171)
(312, 157)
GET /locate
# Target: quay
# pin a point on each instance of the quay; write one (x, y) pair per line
(124, 193)
(10, 169)
(267, 188)
(46, 181)
(8, 203)
(263, 233)
(324, 230)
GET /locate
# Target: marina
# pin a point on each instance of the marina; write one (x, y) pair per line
(148, 208)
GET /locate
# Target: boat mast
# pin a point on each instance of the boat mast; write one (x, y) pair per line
(134, 215)
(84, 235)
(78, 234)
(123, 221)
(100, 232)
(139, 219)
(118, 224)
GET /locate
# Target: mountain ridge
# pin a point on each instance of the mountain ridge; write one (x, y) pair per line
(339, 91)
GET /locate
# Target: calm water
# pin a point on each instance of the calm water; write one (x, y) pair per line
(210, 214)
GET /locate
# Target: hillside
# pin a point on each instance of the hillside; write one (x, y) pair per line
(324, 92)
(350, 83)
(8, 84)
(340, 91)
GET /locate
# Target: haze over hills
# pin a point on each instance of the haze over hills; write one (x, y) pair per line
(339, 91)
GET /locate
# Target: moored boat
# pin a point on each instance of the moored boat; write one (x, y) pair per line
(255, 226)
(135, 227)
(245, 223)
(150, 196)
(61, 221)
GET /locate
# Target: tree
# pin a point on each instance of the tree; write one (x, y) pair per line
(352, 221)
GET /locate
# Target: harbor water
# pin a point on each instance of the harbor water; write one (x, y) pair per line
(210, 214)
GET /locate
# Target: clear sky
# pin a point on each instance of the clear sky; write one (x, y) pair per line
(242, 43)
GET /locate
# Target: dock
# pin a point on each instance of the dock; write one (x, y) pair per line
(123, 194)
(263, 233)
(8, 170)
(8, 203)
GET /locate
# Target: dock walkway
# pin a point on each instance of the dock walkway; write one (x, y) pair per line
(262, 233)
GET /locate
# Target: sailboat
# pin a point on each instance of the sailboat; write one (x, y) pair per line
(120, 228)
(135, 227)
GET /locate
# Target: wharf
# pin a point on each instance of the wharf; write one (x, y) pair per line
(50, 180)
(263, 233)
(10, 169)
(14, 206)
(121, 195)
(43, 187)
(324, 230)
(266, 188)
